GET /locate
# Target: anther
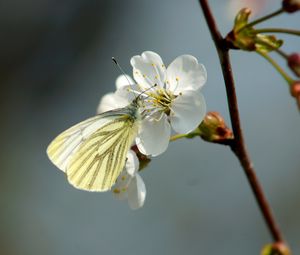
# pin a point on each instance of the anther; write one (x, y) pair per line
(116, 191)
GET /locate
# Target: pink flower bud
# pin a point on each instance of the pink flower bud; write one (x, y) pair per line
(214, 129)
(294, 63)
(295, 92)
(295, 89)
(291, 5)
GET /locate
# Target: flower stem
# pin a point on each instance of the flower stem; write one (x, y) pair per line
(282, 53)
(278, 30)
(285, 76)
(192, 134)
(238, 145)
(264, 18)
(177, 137)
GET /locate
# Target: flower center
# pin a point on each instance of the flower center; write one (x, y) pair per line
(161, 99)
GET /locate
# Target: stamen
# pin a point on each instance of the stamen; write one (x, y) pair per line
(177, 83)
(150, 82)
(156, 71)
(166, 94)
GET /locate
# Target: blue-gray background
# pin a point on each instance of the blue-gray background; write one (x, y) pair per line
(55, 59)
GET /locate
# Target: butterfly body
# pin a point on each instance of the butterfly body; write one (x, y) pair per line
(93, 152)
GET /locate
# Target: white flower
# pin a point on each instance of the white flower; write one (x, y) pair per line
(171, 98)
(172, 94)
(129, 184)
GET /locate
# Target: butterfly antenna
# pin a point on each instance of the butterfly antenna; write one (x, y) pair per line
(143, 92)
(130, 84)
(121, 70)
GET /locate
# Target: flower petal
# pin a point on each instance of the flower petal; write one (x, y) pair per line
(154, 135)
(148, 69)
(124, 80)
(120, 189)
(188, 110)
(132, 163)
(111, 101)
(185, 73)
(136, 192)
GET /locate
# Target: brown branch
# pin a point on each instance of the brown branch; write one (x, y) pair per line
(238, 145)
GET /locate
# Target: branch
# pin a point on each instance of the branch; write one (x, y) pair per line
(238, 145)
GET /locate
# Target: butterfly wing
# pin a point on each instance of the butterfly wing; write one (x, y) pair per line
(63, 147)
(100, 159)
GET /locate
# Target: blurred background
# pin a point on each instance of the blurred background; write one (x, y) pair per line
(55, 64)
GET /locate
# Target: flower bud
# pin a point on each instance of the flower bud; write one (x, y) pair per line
(214, 129)
(295, 89)
(245, 37)
(239, 37)
(276, 249)
(291, 5)
(295, 92)
(294, 63)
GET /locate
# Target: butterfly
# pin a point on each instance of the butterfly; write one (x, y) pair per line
(93, 152)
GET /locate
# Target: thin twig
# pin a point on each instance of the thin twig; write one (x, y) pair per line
(282, 53)
(238, 145)
(284, 75)
(278, 30)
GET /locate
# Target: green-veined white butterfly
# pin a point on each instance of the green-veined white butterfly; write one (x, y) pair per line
(93, 152)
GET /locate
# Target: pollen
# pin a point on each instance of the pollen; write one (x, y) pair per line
(156, 77)
(144, 75)
(123, 178)
(153, 64)
(177, 78)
